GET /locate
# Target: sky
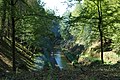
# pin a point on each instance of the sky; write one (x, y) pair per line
(58, 6)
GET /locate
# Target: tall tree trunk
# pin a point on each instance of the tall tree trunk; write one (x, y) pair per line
(3, 19)
(9, 28)
(101, 40)
(13, 34)
(100, 28)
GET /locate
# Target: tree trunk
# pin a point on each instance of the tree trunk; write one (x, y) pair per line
(3, 19)
(13, 33)
(100, 28)
(101, 40)
(9, 28)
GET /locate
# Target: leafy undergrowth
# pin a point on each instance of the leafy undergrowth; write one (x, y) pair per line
(96, 72)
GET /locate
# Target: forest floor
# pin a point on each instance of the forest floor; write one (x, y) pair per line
(96, 72)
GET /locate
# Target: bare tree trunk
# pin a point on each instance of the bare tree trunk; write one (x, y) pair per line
(100, 28)
(9, 28)
(13, 34)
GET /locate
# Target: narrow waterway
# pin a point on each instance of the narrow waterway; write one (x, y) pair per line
(62, 62)
(59, 58)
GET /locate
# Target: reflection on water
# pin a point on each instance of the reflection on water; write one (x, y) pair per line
(59, 60)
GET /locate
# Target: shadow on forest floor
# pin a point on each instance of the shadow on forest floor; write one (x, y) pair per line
(22, 57)
(90, 72)
(98, 72)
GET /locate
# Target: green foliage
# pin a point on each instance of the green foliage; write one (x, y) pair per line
(34, 25)
(65, 26)
(85, 24)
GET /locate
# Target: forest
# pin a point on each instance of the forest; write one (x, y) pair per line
(82, 44)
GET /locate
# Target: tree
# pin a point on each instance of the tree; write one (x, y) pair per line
(13, 32)
(93, 13)
(27, 23)
(100, 27)
(34, 28)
